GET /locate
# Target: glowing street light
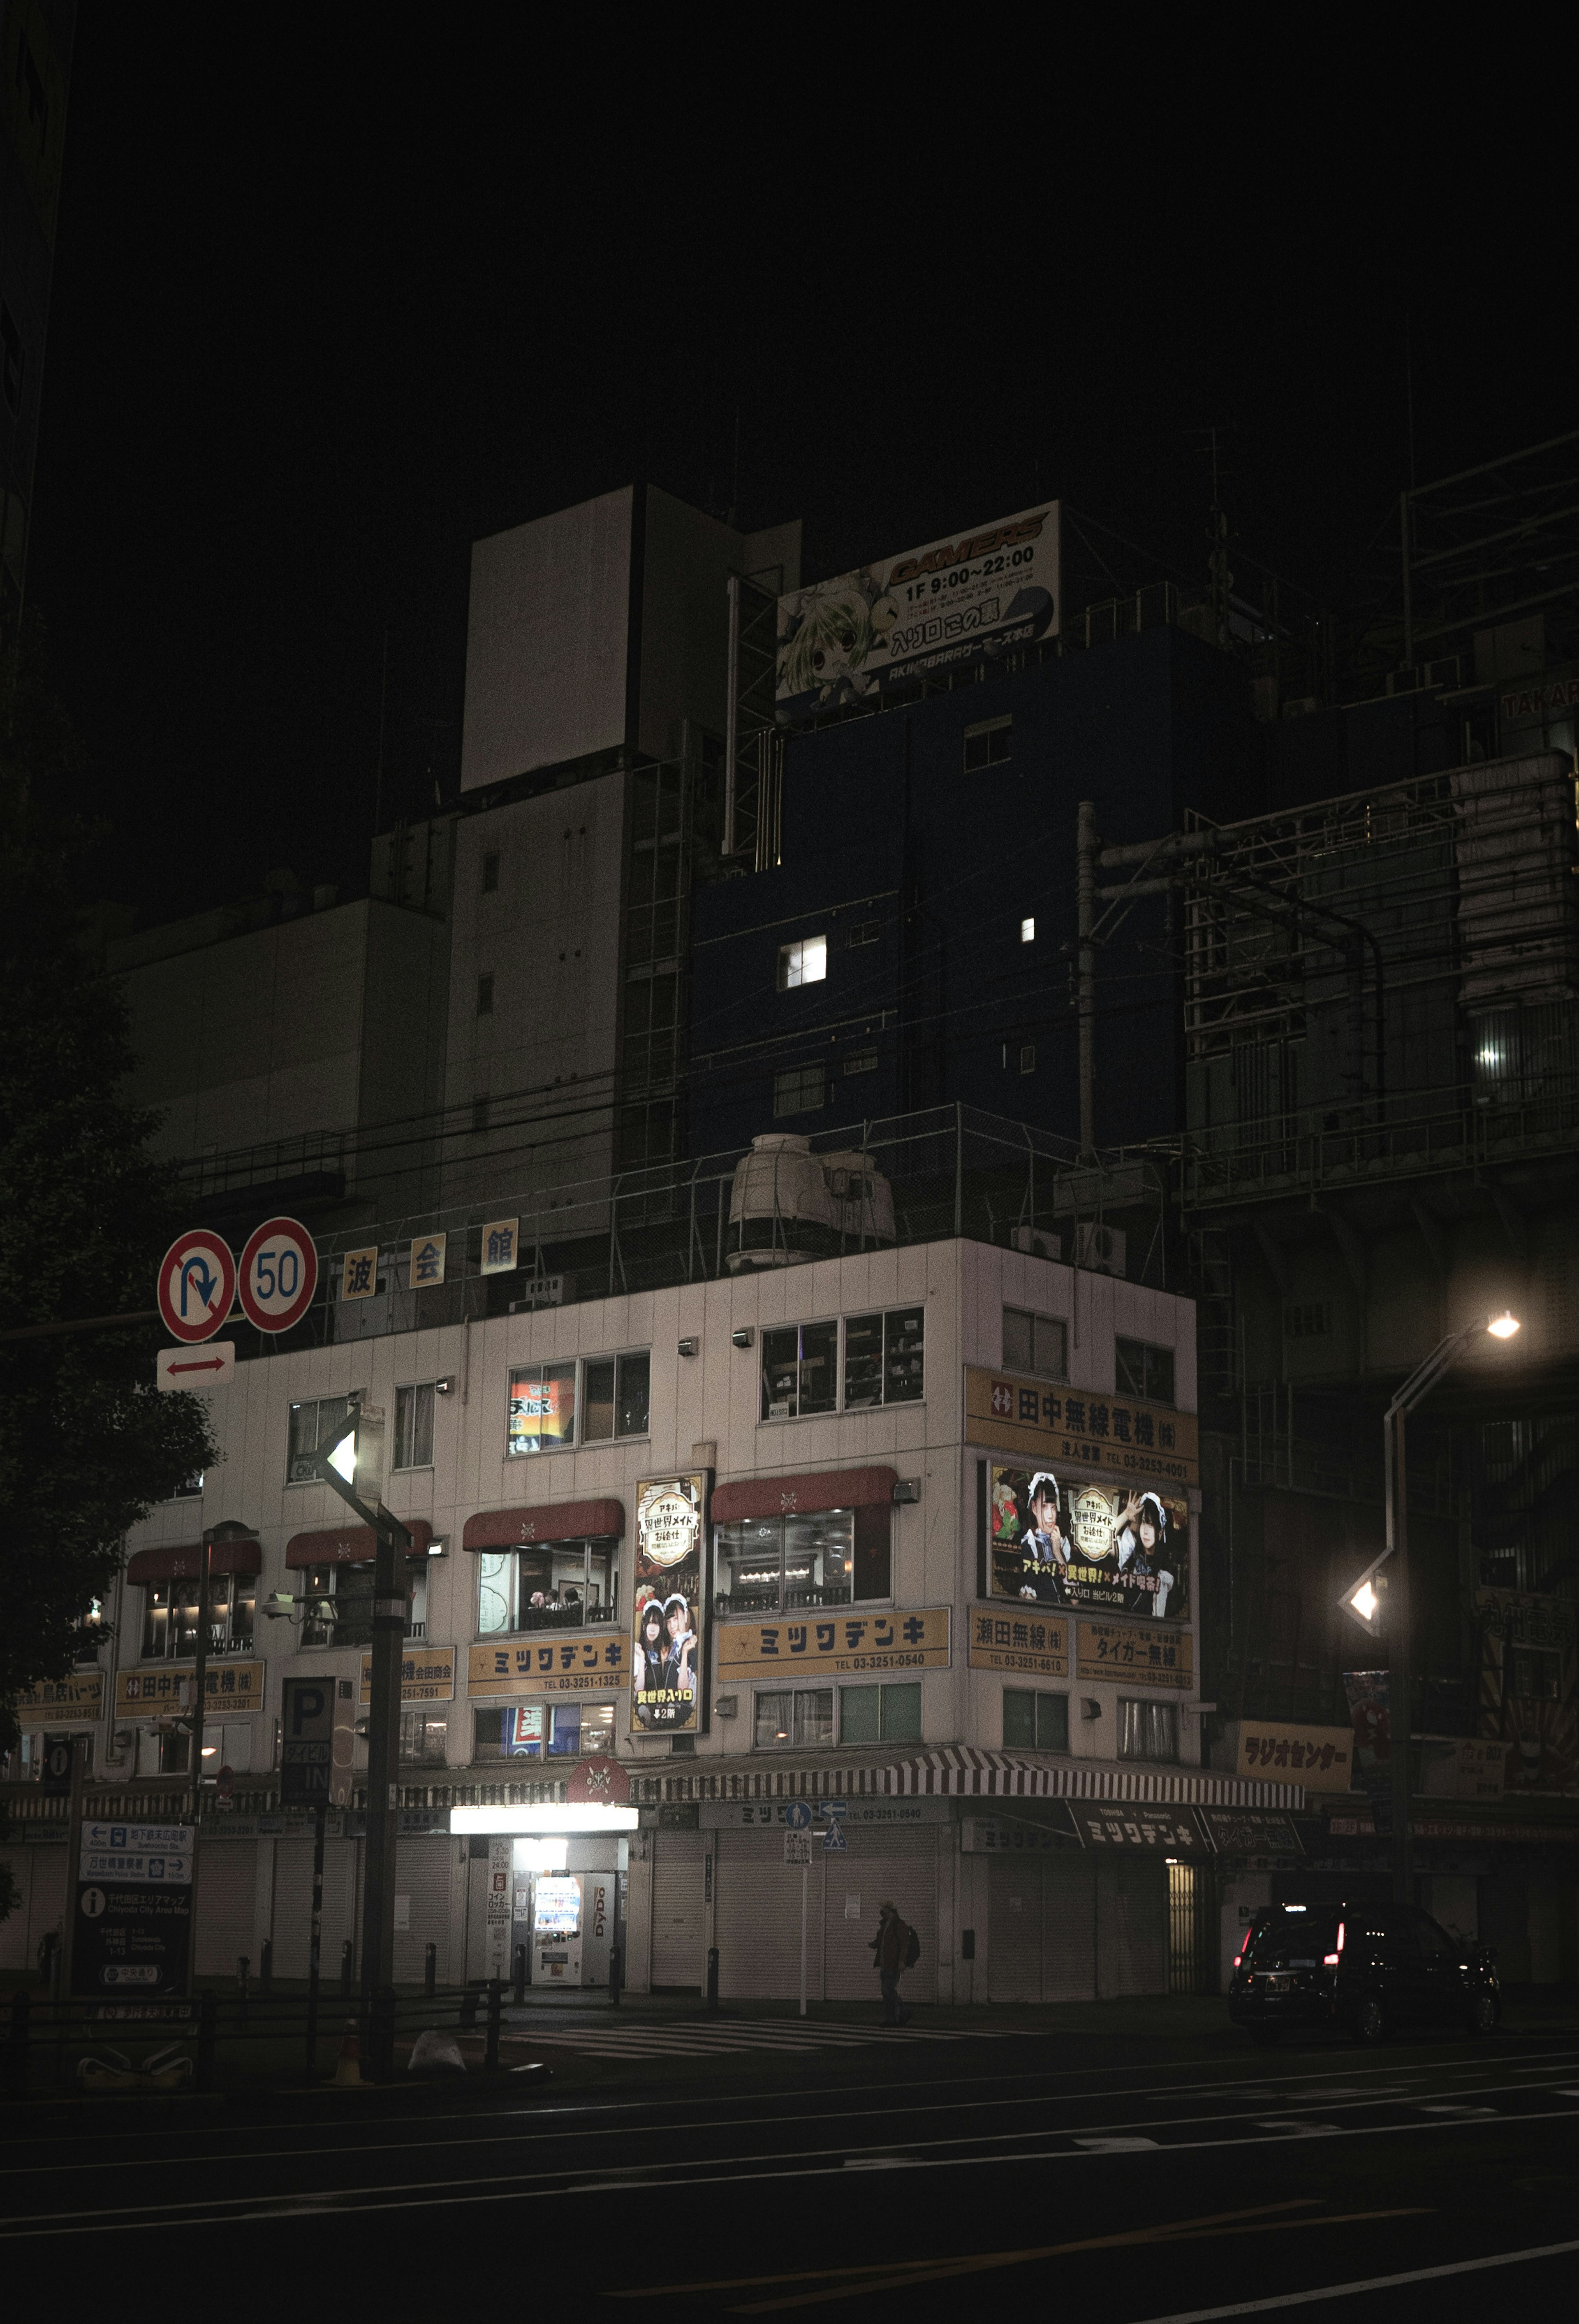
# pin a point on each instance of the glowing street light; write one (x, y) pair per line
(1502, 1326)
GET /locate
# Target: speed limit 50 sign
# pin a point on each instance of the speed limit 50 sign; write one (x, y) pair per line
(279, 1274)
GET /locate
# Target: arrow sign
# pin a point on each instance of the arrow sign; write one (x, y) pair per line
(178, 1368)
(196, 1285)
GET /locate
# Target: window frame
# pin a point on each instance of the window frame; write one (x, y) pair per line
(235, 1641)
(899, 1732)
(409, 1389)
(986, 731)
(895, 1322)
(300, 1404)
(1149, 1393)
(600, 1547)
(1154, 1708)
(792, 963)
(795, 1696)
(600, 1729)
(576, 1440)
(1036, 1697)
(328, 1592)
(1034, 1316)
(801, 1078)
(863, 1554)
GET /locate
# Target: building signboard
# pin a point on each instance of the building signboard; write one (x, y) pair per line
(57, 1702)
(668, 1606)
(583, 1662)
(1027, 1640)
(1111, 1435)
(159, 1694)
(1071, 1541)
(133, 1910)
(1319, 1757)
(1154, 1653)
(973, 597)
(1126, 1827)
(428, 1675)
(835, 1646)
(768, 1815)
(1529, 1699)
(425, 1269)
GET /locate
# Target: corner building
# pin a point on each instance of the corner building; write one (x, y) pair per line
(1008, 1748)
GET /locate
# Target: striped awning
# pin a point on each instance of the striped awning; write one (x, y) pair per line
(962, 1772)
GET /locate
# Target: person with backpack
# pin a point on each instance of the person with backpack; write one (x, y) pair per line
(895, 1949)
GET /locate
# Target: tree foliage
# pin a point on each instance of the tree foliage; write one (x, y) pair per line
(86, 1443)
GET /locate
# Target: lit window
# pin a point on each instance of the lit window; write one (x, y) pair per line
(803, 963)
(803, 1717)
(1027, 932)
(170, 1616)
(1147, 1731)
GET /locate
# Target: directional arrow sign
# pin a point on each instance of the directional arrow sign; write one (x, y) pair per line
(197, 1284)
(180, 1367)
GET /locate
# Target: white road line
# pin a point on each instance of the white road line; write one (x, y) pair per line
(1362, 2284)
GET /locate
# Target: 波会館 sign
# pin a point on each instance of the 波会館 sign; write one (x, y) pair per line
(587, 1662)
(1109, 1434)
(840, 1645)
(972, 597)
(668, 1610)
(1058, 1541)
(133, 1910)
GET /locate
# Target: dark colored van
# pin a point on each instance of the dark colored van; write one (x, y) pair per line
(1365, 1968)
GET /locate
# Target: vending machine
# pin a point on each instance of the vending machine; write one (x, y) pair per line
(572, 1916)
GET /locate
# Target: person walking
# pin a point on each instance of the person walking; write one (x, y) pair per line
(890, 1950)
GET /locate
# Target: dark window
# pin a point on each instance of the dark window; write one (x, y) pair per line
(170, 1616)
(413, 1427)
(863, 932)
(1142, 1370)
(1035, 1722)
(1027, 1057)
(337, 1606)
(1537, 1674)
(313, 1424)
(884, 1358)
(485, 994)
(861, 1061)
(789, 1719)
(803, 1089)
(880, 1714)
(490, 871)
(615, 1394)
(1035, 1343)
(799, 1371)
(989, 744)
(422, 1739)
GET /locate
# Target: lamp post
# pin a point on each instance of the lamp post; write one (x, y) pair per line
(1385, 1582)
(353, 1464)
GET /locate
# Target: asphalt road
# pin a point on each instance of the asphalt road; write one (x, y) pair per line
(1134, 2175)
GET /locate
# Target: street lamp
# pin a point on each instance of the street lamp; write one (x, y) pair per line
(353, 1465)
(1382, 1593)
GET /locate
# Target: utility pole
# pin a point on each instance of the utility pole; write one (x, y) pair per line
(1086, 846)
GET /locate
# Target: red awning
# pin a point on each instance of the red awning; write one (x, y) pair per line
(186, 1563)
(349, 1544)
(565, 1521)
(780, 1496)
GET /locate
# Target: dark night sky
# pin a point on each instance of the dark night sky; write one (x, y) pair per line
(325, 310)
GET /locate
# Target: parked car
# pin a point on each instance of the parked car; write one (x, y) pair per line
(1366, 1968)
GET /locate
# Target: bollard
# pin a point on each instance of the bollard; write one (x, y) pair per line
(495, 1997)
(713, 1977)
(429, 1969)
(266, 1965)
(206, 2015)
(615, 1966)
(346, 1963)
(519, 1994)
(16, 2048)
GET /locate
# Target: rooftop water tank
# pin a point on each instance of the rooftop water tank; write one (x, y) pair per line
(788, 1204)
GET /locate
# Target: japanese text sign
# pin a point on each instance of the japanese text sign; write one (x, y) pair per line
(1319, 1757)
(582, 1664)
(1135, 1653)
(835, 1643)
(1083, 1428)
(1026, 1640)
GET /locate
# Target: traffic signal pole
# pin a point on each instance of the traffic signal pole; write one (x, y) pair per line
(383, 1759)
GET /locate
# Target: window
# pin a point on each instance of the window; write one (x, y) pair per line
(804, 962)
(190, 1489)
(818, 1557)
(1027, 1057)
(880, 1714)
(337, 1606)
(491, 872)
(413, 1427)
(1147, 1731)
(1144, 1371)
(1035, 1722)
(537, 1730)
(416, 1598)
(883, 1357)
(861, 1061)
(423, 1738)
(1035, 1343)
(542, 1408)
(863, 932)
(485, 994)
(802, 1088)
(1310, 1320)
(1537, 1674)
(799, 1371)
(555, 1585)
(989, 743)
(614, 1396)
(312, 1424)
(1027, 932)
(795, 1720)
(169, 1616)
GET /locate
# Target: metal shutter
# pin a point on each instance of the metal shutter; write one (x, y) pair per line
(679, 1927)
(422, 1874)
(1069, 1928)
(903, 1864)
(226, 1908)
(1013, 1955)
(293, 1904)
(757, 1919)
(1132, 1926)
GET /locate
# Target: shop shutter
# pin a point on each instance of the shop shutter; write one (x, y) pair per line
(1069, 1928)
(903, 1864)
(226, 1907)
(757, 1919)
(1132, 1926)
(422, 1875)
(1013, 1961)
(678, 1934)
(293, 1906)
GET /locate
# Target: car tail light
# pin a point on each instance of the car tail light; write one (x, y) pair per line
(1340, 1936)
(1329, 1960)
(1238, 1958)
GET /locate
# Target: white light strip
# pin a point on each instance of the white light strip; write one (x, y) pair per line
(553, 1818)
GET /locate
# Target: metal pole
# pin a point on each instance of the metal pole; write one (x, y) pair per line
(73, 1862)
(205, 1583)
(383, 1760)
(805, 1877)
(1399, 1687)
(1408, 614)
(731, 715)
(1085, 904)
(315, 1948)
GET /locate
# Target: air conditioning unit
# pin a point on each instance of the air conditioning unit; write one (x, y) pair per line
(1037, 1242)
(1100, 1250)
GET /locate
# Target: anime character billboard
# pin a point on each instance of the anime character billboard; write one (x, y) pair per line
(1121, 1547)
(975, 597)
(667, 1606)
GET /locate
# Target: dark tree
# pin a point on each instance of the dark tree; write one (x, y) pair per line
(86, 1443)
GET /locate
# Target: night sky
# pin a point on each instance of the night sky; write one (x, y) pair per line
(336, 294)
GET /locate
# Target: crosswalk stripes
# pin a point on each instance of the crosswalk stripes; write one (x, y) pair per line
(711, 2038)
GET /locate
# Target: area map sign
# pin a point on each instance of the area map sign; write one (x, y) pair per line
(133, 1910)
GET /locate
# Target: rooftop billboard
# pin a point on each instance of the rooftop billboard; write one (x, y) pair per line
(972, 597)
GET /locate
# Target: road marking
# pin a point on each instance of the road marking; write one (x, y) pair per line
(1293, 2129)
(1114, 2145)
(1463, 2112)
(1362, 2284)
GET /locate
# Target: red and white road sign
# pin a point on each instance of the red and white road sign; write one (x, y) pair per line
(279, 1275)
(212, 1367)
(196, 1285)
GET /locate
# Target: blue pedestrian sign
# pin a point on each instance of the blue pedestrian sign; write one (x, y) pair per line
(833, 1839)
(798, 1815)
